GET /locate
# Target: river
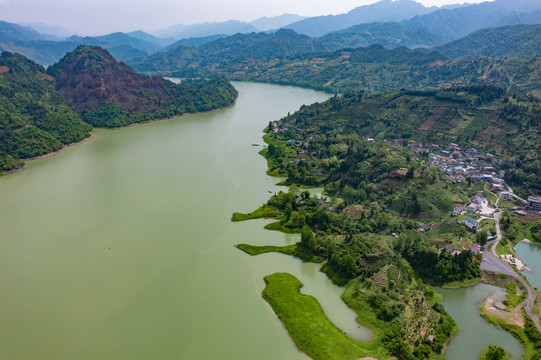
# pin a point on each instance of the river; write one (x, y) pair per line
(122, 248)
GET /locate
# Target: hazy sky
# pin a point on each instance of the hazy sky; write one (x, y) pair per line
(96, 17)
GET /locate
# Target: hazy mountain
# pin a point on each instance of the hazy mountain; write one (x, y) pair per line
(116, 39)
(275, 22)
(14, 32)
(522, 41)
(531, 17)
(230, 27)
(55, 30)
(382, 11)
(171, 31)
(43, 52)
(390, 35)
(141, 35)
(459, 22)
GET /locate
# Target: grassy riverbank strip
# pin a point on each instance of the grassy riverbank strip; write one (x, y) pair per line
(263, 212)
(307, 324)
(293, 250)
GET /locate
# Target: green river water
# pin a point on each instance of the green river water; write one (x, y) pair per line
(122, 248)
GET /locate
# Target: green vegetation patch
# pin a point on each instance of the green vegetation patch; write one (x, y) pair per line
(293, 250)
(263, 212)
(494, 352)
(304, 319)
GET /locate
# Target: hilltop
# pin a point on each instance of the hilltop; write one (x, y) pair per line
(110, 94)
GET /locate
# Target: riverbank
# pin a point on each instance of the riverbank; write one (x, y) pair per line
(73, 145)
(48, 155)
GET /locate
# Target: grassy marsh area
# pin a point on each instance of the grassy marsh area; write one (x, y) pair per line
(304, 319)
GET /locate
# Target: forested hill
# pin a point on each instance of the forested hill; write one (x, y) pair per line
(34, 118)
(231, 49)
(521, 41)
(369, 69)
(107, 93)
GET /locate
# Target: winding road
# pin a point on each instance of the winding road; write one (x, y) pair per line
(491, 262)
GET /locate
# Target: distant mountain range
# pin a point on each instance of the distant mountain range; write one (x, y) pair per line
(230, 27)
(382, 11)
(389, 23)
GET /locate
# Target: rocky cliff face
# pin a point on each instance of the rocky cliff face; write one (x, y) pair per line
(89, 76)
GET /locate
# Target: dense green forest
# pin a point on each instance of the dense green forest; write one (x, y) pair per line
(34, 118)
(107, 93)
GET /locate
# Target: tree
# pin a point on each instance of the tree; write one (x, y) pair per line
(494, 352)
(482, 237)
(308, 240)
(288, 211)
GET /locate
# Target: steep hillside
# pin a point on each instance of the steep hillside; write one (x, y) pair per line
(110, 94)
(34, 118)
(382, 11)
(521, 41)
(391, 35)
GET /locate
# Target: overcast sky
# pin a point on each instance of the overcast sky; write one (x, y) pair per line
(97, 17)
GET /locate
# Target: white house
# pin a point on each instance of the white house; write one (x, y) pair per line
(505, 195)
(458, 210)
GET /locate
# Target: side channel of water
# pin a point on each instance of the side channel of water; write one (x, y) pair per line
(531, 255)
(475, 333)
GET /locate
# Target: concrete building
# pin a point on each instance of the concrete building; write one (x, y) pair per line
(534, 203)
(471, 223)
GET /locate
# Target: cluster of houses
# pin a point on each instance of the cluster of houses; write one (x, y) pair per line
(459, 164)
(478, 205)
